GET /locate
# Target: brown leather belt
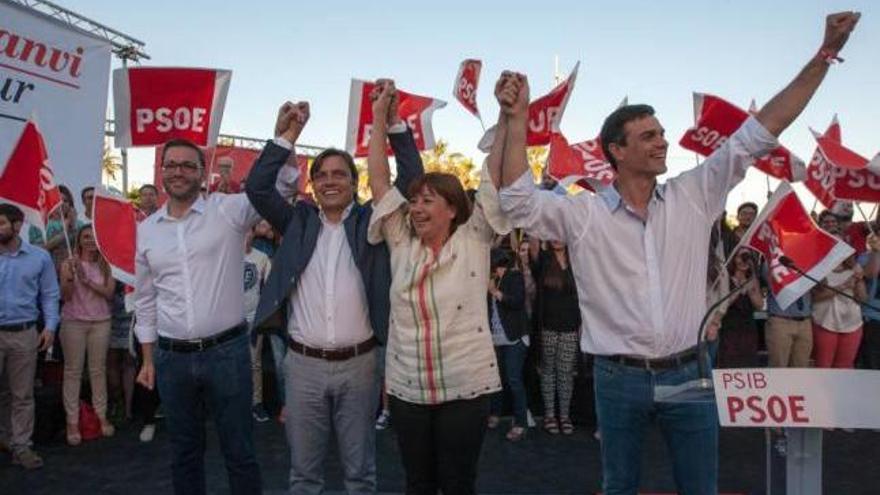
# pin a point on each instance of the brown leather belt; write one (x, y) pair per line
(340, 354)
(664, 363)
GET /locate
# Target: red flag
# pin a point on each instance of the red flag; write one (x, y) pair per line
(839, 155)
(545, 114)
(829, 182)
(466, 82)
(415, 110)
(583, 162)
(155, 104)
(716, 120)
(27, 180)
(114, 221)
(784, 228)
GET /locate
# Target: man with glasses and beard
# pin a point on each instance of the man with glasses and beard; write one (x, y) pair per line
(190, 304)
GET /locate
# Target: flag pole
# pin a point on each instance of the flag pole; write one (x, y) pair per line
(867, 222)
(815, 203)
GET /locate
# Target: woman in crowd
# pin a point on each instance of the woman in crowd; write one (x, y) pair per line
(738, 346)
(837, 320)
(559, 320)
(87, 289)
(509, 325)
(440, 367)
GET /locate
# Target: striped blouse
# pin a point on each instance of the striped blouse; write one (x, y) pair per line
(440, 343)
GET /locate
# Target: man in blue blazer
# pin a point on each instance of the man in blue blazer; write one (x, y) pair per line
(330, 288)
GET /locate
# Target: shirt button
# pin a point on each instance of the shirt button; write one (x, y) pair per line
(473, 274)
(479, 329)
(459, 307)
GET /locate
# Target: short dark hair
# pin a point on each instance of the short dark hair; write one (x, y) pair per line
(747, 204)
(183, 143)
(148, 186)
(82, 194)
(12, 213)
(612, 129)
(330, 152)
(449, 188)
(826, 213)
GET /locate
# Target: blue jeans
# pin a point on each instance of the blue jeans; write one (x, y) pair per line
(217, 380)
(511, 359)
(625, 407)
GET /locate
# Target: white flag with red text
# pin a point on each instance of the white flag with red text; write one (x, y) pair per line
(784, 228)
(114, 221)
(27, 180)
(413, 109)
(716, 120)
(155, 104)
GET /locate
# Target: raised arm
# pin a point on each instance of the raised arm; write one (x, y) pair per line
(496, 153)
(783, 108)
(514, 100)
(378, 170)
(261, 183)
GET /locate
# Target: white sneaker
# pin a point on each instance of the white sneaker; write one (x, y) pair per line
(148, 433)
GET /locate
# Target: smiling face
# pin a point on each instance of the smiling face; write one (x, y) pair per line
(431, 214)
(333, 184)
(643, 148)
(182, 173)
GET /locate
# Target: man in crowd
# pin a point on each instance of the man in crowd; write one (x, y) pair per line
(225, 183)
(639, 255)
(190, 301)
(28, 284)
(148, 201)
(333, 287)
(745, 215)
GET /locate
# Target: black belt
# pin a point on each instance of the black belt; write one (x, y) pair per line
(199, 345)
(664, 363)
(792, 318)
(340, 354)
(17, 327)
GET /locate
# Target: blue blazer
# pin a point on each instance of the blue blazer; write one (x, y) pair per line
(299, 223)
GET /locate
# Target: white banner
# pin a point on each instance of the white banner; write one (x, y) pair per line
(799, 398)
(58, 75)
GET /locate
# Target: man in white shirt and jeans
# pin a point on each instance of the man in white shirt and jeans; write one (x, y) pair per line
(639, 252)
(190, 303)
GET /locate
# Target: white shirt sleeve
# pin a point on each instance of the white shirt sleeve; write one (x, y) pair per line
(144, 299)
(709, 183)
(545, 214)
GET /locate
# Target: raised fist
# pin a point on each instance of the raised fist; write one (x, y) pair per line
(837, 29)
(292, 119)
(386, 104)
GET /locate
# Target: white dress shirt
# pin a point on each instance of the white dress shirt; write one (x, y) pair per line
(328, 308)
(641, 285)
(189, 270)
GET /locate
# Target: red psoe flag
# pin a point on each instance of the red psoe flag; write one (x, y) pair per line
(583, 163)
(114, 221)
(466, 82)
(784, 228)
(837, 173)
(155, 104)
(415, 110)
(716, 120)
(27, 180)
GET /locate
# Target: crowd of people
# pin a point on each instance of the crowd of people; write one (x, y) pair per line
(421, 307)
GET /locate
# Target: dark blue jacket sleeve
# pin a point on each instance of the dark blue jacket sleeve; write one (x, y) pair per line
(260, 186)
(409, 161)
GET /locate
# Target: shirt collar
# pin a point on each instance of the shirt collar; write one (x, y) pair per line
(613, 200)
(345, 214)
(22, 248)
(198, 206)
